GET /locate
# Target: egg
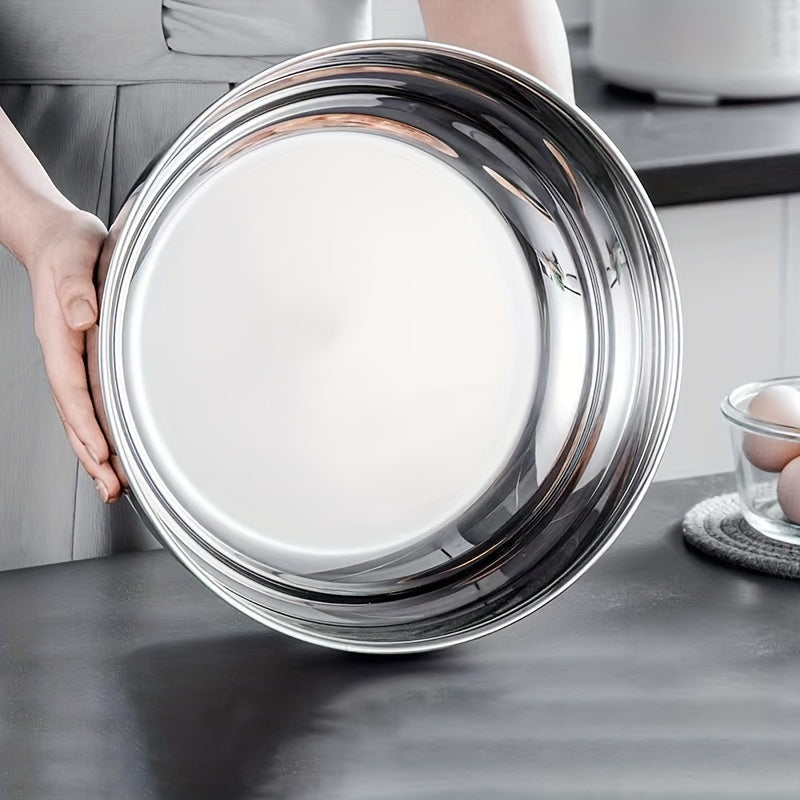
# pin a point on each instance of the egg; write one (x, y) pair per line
(781, 405)
(789, 490)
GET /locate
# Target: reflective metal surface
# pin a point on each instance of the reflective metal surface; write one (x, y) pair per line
(535, 371)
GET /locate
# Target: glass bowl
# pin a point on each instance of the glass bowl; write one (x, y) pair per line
(764, 455)
(389, 346)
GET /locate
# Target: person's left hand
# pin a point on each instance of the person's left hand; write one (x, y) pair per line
(61, 270)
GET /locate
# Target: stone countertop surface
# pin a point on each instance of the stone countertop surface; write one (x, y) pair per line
(659, 674)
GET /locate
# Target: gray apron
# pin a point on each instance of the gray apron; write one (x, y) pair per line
(98, 89)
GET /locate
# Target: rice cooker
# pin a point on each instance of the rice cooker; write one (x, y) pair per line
(699, 51)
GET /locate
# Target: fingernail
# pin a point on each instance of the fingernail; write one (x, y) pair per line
(80, 313)
(101, 489)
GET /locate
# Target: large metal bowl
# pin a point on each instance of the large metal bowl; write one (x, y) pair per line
(389, 346)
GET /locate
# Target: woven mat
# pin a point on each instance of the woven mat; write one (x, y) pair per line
(716, 527)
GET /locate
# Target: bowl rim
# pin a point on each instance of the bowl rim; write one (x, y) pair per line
(732, 410)
(665, 380)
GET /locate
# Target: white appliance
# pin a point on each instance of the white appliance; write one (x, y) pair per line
(699, 51)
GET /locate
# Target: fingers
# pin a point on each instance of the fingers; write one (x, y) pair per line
(65, 371)
(63, 357)
(106, 480)
(62, 349)
(116, 465)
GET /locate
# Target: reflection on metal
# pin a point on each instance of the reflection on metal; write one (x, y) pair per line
(525, 197)
(564, 164)
(618, 259)
(553, 270)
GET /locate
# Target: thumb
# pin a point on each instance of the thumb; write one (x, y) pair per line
(76, 296)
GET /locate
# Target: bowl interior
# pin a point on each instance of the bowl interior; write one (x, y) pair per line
(390, 345)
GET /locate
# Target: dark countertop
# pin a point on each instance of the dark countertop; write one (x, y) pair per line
(659, 674)
(688, 154)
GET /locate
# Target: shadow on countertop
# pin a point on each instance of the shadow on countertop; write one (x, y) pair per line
(219, 717)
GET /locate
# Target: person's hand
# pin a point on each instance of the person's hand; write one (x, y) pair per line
(61, 270)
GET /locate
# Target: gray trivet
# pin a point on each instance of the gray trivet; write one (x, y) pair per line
(716, 527)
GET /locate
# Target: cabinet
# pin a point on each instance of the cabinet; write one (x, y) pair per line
(738, 268)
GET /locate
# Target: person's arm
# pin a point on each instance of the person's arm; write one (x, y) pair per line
(528, 34)
(59, 245)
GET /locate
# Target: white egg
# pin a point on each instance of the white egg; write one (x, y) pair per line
(781, 405)
(789, 490)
